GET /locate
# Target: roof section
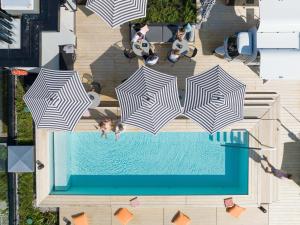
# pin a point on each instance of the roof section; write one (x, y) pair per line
(31, 26)
(279, 15)
(20, 159)
(278, 39)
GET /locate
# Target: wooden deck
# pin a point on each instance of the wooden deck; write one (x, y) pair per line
(99, 52)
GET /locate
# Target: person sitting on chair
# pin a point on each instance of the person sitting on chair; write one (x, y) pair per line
(150, 58)
(174, 55)
(180, 34)
(140, 34)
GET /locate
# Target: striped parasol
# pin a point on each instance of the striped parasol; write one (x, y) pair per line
(149, 99)
(117, 12)
(206, 7)
(57, 99)
(214, 99)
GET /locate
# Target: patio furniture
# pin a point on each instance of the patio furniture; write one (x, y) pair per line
(123, 215)
(214, 99)
(141, 47)
(182, 46)
(165, 33)
(95, 98)
(80, 219)
(116, 13)
(181, 219)
(232, 208)
(149, 99)
(57, 99)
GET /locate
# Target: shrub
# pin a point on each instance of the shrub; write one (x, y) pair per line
(26, 207)
(170, 11)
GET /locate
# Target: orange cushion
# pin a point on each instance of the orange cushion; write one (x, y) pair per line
(236, 211)
(124, 216)
(80, 219)
(181, 219)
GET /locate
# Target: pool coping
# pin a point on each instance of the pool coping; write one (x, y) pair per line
(262, 187)
(47, 200)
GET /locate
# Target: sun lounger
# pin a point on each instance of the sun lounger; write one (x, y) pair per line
(123, 215)
(181, 219)
(232, 208)
(80, 219)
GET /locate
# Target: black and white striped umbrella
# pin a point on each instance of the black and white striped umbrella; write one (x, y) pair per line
(117, 12)
(57, 99)
(149, 99)
(214, 99)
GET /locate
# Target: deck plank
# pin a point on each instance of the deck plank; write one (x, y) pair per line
(98, 52)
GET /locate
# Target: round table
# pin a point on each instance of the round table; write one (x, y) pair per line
(141, 47)
(182, 46)
(95, 97)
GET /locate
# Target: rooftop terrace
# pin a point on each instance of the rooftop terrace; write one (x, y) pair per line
(99, 52)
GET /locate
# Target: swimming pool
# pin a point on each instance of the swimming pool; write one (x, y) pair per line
(170, 163)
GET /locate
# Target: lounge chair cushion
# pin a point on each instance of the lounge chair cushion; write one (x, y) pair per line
(235, 211)
(181, 219)
(123, 215)
(155, 34)
(169, 33)
(80, 219)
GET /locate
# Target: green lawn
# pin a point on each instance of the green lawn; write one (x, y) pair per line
(170, 11)
(26, 208)
(26, 181)
(3, 178)
(3, 91)
(24, 119)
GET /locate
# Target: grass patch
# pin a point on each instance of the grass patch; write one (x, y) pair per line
(3, 180)
(24, 119)
(26, 207)
(170, 11)
(3, 90)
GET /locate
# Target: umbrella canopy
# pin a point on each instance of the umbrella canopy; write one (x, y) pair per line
(57, 99)
(20, 159)
(205, 9)
(214, 99)
(149, 99)
(117, 12)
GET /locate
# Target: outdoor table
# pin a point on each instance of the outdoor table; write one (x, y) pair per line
(95, 97)
(182, 46)
(141, 47)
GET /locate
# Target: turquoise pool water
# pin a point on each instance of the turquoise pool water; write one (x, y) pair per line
(170, 163)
